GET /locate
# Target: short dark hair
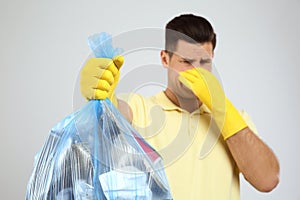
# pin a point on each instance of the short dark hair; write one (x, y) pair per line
(190, 28)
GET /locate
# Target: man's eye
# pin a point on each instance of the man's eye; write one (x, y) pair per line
(187, 62)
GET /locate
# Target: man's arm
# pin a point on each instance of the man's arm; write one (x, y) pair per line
(255, 160)
(125, 110)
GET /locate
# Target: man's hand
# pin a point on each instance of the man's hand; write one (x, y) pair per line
(99, 77)
(210, 92)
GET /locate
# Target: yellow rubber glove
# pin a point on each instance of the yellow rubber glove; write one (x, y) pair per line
(208, 89)
(99, 77)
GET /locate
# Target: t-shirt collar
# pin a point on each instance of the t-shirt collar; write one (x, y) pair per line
(168, 105)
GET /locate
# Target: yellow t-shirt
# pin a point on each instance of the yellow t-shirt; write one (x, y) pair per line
(197, 161)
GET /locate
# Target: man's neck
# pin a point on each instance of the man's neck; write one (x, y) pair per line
(188, 104)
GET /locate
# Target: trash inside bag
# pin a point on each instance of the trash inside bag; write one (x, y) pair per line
(95, 154)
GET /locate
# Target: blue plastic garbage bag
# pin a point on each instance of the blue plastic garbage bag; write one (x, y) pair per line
(95, 154)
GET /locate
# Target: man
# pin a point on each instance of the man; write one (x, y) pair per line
(193, 111)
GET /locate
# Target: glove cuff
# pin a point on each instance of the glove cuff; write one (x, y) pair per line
(113, 99)
(231, 122)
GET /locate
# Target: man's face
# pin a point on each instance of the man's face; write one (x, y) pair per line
(186, 56)
(189, 55)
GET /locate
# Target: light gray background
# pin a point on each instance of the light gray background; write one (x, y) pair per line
(43, 46)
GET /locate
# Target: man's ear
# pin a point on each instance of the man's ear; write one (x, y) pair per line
(165, 58)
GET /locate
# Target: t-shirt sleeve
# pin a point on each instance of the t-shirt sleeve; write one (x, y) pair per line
(249, 121)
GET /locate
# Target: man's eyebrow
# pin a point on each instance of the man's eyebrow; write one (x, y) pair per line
(205, 60)
(190, 60)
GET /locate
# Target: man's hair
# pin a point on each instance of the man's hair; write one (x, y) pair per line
(190, 28)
